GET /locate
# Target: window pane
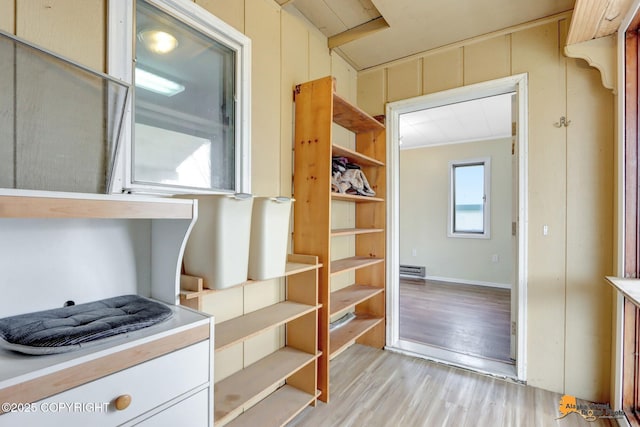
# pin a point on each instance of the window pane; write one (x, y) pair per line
(184, 105)
(468, 198)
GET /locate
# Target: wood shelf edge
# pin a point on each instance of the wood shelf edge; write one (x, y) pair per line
(236, 380)
(356, 295)
(355, 198)
(364, 121)
(296, 310)
(296, 264)
(278, 408)
(354, 156)
(76, 206)
(338, 232)
(347, 335)
(630, 288)
(343, 265)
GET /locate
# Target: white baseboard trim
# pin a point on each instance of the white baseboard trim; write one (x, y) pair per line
(462, 281)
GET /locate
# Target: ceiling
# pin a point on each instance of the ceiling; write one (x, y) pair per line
(477, 120)
(416, 25)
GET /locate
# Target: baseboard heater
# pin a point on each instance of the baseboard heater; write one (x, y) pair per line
(413, 270)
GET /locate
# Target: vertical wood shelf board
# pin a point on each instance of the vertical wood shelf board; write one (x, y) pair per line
(317, 108)
(312, 191)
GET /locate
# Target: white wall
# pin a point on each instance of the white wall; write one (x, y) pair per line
(424, 199)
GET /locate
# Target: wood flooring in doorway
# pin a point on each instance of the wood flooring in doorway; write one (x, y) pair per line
(467, 319)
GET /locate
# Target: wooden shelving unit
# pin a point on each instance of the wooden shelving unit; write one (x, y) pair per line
(291, 370)
(318, 107)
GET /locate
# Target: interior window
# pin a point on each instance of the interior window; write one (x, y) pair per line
(184, 132)
(469, 213)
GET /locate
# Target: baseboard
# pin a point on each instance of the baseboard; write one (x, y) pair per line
(468, 282)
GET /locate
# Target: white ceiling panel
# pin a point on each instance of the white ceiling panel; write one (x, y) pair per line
(480, 119)
(352, 12)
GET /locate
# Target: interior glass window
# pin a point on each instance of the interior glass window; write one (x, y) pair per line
(184, 133)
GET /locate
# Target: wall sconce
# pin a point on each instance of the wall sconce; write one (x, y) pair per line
(157, 41)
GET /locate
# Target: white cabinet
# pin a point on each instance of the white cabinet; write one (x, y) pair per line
(166, 370)
(148, 385)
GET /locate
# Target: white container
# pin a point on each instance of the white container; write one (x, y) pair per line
(269, 237)
(218, 247)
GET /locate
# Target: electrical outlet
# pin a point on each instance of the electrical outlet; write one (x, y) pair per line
(414, 252)
(495, 258)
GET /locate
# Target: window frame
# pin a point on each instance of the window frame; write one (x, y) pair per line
(120, 64)
(486, 233)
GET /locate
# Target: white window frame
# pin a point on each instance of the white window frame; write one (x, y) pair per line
(486, 234)
(120, 64)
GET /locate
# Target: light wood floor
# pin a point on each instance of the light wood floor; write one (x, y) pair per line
(468, 319)
(377, 388)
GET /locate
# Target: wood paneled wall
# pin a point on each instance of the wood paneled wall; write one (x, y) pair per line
(75, 29)
(7, 16)
(571, 189)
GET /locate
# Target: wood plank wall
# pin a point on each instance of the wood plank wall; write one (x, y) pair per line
(571, 189)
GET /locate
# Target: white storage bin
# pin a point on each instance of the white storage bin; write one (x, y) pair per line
(218, 247)
(269, 237)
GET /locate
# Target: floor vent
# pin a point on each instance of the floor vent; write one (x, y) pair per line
(413, 270)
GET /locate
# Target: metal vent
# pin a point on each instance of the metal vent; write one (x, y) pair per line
(413, 270)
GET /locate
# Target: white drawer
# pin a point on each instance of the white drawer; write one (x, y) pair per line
(149, 384)
(192, 411)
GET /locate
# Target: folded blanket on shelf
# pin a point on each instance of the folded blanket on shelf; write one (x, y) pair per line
(352, 181)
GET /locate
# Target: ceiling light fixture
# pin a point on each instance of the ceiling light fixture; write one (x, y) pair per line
(157, 41)
(157, 84)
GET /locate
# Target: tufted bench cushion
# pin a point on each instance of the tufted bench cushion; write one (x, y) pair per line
(69, 328)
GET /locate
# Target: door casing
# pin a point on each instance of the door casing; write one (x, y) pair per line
(517, 84)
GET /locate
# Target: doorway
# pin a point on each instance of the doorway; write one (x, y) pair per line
(463, 222)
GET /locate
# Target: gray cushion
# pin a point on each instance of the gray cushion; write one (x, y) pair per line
(68, 328)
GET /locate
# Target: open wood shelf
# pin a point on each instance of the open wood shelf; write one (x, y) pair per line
(350, 296)
(354, 198)
(317, 109)
(233, 392)
(353, 118)
(337, 232)
(277, 409)
(77, 205)
(353, 263)
(296, 363)
(243, 327)
(346, 335)
(296, 264)
(354, 156)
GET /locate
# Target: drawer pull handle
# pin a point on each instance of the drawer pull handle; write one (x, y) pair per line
(123, 402)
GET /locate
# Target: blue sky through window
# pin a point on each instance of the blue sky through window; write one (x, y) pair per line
(469, 198)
